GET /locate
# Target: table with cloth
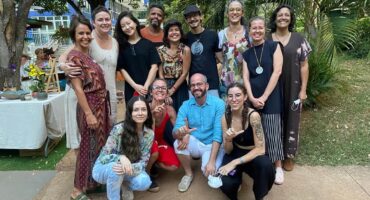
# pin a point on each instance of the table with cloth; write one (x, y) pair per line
(29, 124)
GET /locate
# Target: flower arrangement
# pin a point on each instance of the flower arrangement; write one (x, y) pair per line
(39, 77)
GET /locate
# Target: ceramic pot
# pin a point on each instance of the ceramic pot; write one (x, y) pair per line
(42, 96)
(34, 95)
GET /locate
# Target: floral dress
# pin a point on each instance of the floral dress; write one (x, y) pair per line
(232, 66)
(92, 140)
(172, 70)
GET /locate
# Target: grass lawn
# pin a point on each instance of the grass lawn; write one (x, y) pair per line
(338, 132)
(10, 159)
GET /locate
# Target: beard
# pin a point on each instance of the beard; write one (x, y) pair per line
(202, 93)
(155, 23)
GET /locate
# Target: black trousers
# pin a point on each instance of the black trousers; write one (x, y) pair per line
(260, 169)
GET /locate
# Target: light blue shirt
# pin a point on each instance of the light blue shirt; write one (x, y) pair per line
(206, 118)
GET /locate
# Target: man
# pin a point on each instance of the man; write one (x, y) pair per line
(204, 49)
(198, 131)
(153, 31)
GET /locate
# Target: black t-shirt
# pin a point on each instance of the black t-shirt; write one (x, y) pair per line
(137, 59)
(203, 59)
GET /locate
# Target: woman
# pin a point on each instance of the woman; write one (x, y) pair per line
(164, 117)
(294, 77)
(261, 70)
(175, 56)
(104, 50)
(233, 41)
(138, 58)
(126, 153)
(244, 145)
(93, 106)
(40, 58)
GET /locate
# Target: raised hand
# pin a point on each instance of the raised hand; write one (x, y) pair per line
(230, 134)
(184, 130)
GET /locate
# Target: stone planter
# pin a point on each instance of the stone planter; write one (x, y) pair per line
(42, 96)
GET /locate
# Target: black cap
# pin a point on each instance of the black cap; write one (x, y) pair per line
(191, 9)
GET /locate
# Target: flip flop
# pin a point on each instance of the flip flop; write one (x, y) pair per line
(81, 196)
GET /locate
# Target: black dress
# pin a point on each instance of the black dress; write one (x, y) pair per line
(296, 51)
(137, 60)
(271, 112)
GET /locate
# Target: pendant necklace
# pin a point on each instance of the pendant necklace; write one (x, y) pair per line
(259, 69)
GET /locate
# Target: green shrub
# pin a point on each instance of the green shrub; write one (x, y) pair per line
(322, 78)
(362, 47)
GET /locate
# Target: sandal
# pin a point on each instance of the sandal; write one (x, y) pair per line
(81, 196)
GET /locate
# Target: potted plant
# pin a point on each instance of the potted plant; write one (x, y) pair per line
(39, 78)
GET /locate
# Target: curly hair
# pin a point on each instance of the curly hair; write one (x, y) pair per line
(130, 139)
(228, 114)
(272, 22)
(120, 36)
(170, 23)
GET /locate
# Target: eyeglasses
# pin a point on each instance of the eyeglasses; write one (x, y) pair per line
(199, 84)
(156, 87)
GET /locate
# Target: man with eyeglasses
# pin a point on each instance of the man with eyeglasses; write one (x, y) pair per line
(204, 48)
(198, 131)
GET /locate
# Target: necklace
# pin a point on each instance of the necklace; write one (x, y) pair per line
(236, 33)
(259, 69)
(285, 38)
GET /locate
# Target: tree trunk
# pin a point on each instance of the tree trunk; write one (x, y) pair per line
(95, 3)
(12, 32)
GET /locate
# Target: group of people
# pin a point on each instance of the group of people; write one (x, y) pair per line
(179, 107)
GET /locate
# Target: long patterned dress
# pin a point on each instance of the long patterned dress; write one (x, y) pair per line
(172, 70)
(232, 66)
(296, 51)
(98, 99)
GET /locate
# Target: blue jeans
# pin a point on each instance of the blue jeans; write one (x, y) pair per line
(103, 173)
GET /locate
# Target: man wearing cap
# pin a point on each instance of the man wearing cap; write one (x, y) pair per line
(204, 49)
(153, 31)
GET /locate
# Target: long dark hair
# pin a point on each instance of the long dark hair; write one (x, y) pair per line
(120, 36)
(130, 139)
(228, 114)
(272, 22)
(169, 24)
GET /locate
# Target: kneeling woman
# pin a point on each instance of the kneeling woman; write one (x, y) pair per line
(125, 155)
(244, 145)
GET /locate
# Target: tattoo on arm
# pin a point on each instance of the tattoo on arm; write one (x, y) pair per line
(257, 126)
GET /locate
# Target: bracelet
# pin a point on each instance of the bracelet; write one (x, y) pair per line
(241, 161)
(174, 87)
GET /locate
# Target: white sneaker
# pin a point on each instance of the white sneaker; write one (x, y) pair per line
(127, 194)
(279, 176)
(185, 183)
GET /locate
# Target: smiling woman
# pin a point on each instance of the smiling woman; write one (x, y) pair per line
(93, 106)
(233, 41)
(262, 67)
(138, 58)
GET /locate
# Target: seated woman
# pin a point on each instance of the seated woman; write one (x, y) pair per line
(164, 117)
(125, 155)
(244, 145)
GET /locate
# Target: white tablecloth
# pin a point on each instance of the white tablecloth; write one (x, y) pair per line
(27, 124)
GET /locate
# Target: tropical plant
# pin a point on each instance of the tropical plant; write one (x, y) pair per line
(328, 25)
